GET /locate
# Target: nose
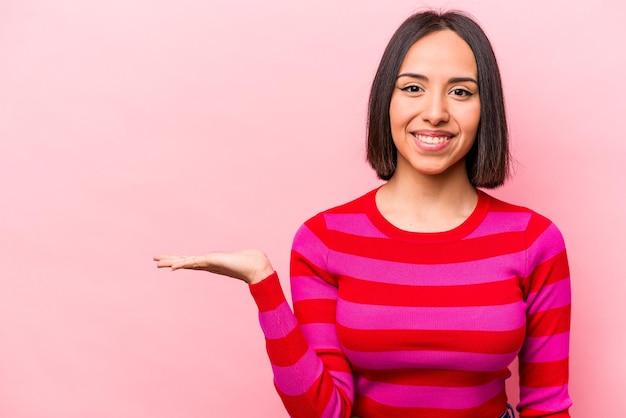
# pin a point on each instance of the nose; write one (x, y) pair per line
(435, 109)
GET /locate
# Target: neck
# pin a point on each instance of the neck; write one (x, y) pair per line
(427, 203)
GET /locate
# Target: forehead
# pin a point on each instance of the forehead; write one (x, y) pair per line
(442, 52)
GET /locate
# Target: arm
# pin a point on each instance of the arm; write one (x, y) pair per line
(544, 356)
(311, 374)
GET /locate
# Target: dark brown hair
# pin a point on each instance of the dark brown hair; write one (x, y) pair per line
(487, 161)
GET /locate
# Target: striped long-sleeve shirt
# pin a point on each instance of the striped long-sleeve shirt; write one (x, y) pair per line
(390, 323)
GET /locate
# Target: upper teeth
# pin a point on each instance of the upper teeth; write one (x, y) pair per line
(432, 139)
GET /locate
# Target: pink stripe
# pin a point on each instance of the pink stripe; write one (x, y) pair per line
(507, 317)
(332, 408)
(310, 246)
(547, 245)
(345, 382)
(354, 224)
(278, 322)
(470, 272)
(321, 335)
(311, 287)
(405, 396)
(291, 380)
(415, 359)
(550, 348)
(555, 295)
(549, 399)
(499, 222)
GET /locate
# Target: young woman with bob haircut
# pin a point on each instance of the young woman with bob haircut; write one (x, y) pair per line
(414, 299)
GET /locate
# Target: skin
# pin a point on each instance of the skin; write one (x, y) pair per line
(436, 96)
(251, 266)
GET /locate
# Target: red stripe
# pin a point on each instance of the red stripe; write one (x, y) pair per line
(553, 321)
(487, 342)
(539, 375)
(551, 271)
(529, 412)
(268, 293)
(433, 377)
(428, 253)
(365, 407)
(537, 226)
(300, 266)
(315, 311)
(334, 360)
(483, 294)
(288, 350)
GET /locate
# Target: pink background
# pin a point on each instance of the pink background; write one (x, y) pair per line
(129, 128)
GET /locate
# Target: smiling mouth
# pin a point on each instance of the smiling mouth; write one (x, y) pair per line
(433, 140)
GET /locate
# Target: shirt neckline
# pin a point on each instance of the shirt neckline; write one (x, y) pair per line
(392, 231)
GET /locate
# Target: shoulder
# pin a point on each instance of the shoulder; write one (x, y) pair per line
(352, 214)
(508, 211)
(539, 232)
(355, 207)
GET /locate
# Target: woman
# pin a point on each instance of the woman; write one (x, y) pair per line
(413, 300)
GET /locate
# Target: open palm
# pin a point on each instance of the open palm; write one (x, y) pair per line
(251, 266)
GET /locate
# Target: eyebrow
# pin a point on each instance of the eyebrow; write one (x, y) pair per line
(452, 80)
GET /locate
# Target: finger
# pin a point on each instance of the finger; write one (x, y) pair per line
(167, 256)
(167, 260)
(165, 263)
(193, 262)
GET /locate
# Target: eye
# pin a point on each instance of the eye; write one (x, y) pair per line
(461, 92)
(412, 89)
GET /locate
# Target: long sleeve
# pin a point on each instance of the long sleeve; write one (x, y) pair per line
(311, 373)
(545, 353)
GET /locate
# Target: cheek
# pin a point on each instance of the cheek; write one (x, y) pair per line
(470, 120)
(399, 114)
